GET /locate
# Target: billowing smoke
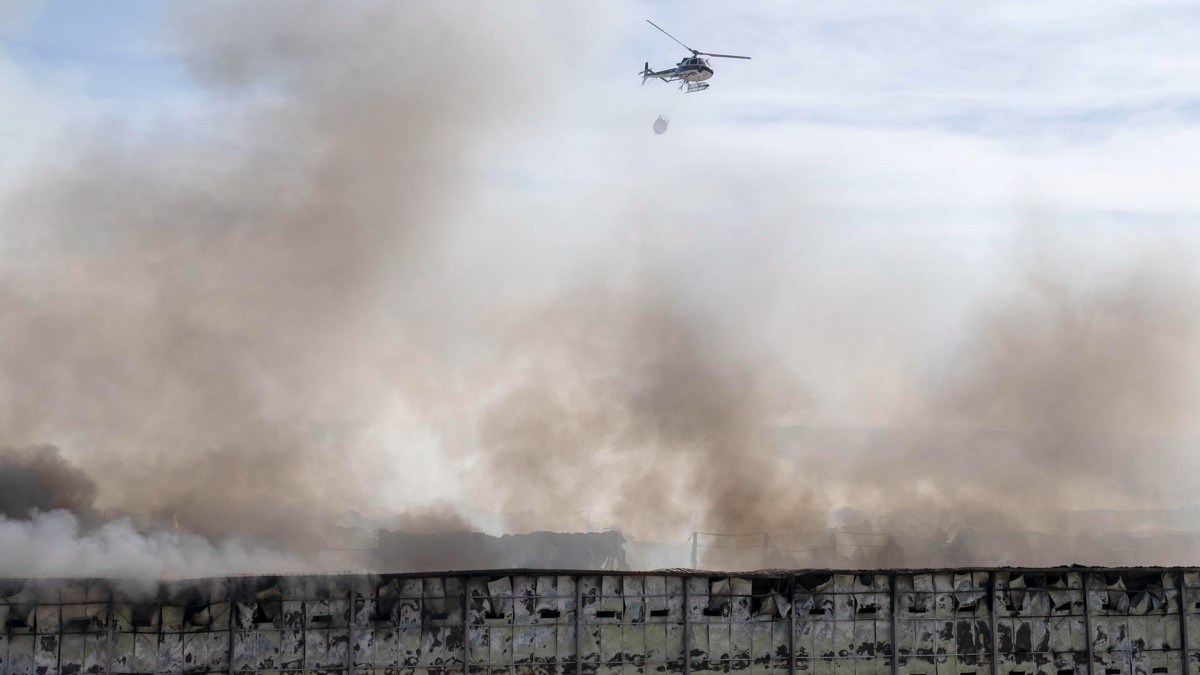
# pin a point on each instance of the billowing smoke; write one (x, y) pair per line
(56, 544)
(50, 527)
(1043, 438)
(38, 479)
(1063, 396)
(636, 402)
(205, 314)
(213, 317)
(1085, 383)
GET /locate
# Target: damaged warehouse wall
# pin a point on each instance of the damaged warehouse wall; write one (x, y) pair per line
(1066, 621)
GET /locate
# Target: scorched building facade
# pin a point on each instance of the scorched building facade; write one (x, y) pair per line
(1069, 621)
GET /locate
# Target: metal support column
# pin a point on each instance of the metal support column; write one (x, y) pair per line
(466, 619)
(304, 599)
(1087, 623)
(895, 620)
(350, 632)
(233, 617)
(578, 625)
(687, 632)
(1183, 614)
(59, 638)
(791, 590)
(108, 637)
(991, 601)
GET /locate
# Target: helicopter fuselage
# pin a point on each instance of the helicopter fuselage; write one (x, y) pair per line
(691, 69)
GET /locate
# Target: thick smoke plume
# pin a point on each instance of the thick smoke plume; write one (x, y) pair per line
(203, 314)
(635, 401)
(50, 528)
(211, 316)
(1063, 397)
(38, 479)
(1054, 416)
(1089, 383)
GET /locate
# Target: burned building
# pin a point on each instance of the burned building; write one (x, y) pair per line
(1062, 621)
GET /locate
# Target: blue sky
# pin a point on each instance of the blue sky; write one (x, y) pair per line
(69, 63)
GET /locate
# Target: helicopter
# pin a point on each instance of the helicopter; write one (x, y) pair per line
(692, 70)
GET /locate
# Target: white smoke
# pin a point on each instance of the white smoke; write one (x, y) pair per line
(54, 544)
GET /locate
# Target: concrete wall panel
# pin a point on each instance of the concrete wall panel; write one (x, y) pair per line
(1069, 621)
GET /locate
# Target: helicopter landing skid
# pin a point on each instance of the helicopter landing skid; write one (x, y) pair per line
(693, 87)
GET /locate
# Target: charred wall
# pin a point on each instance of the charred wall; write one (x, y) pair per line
(1070, 621)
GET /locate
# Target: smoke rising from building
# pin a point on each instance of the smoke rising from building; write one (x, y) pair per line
(56, 544)
(216, 317)
(38, 479)
(205, 317)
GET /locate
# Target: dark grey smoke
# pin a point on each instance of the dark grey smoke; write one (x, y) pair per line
(39, 479)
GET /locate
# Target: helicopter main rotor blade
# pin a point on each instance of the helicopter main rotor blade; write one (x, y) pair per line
(724, 56)
(693, 51)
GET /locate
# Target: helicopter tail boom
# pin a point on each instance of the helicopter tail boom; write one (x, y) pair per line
(669, 75)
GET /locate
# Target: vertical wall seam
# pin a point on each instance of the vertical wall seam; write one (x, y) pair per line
(791, 586)
(578, 624)
(1183, 613)
(1087, 622)
(466, 624)
(349, 632)
(233, 610)
(995, 637)
(894, 629)
(687, 632)
(108, 636)
(61, 634)
(303, 633)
